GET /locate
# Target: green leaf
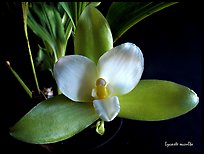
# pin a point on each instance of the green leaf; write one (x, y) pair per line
(154, 100)
(53, 120)
(68, 31)
(38, 26)
(43, 60)
(46, 22)
(123, 15)
(57, 31)
(94, 3)
(38, 29)
(74, 10)
(69, 9)
(93, 35)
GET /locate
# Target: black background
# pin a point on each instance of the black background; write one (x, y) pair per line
(172, 43)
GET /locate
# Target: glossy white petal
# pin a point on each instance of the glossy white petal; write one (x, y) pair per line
(75, 76)
(122, 67)
(108, 108)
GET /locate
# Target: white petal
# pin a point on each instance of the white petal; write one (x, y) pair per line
(122, 67)
(108, 108)
(75, 76)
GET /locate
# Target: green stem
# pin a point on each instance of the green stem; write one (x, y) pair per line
(25, 12)
(58, 91)
(28, 91)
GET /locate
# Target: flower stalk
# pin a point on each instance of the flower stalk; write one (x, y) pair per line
(28, 91)
(25, 12)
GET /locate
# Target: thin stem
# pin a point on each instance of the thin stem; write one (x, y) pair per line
(28, 91)
(58, 91)
(25, 12)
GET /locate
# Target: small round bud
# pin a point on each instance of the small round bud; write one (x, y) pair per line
(8, 63)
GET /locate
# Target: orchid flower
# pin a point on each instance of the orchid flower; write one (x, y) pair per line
(117, 72)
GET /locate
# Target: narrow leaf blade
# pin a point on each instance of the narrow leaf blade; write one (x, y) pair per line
(68, 9)
(54, 120)
(123, 15)
(154, 100)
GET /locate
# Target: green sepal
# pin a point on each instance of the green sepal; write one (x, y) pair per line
(93, 36)
(154, 100)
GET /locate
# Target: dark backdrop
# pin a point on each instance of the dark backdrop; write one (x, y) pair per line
(172, 44)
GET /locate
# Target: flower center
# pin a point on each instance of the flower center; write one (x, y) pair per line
(101, 90)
